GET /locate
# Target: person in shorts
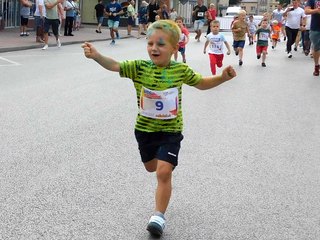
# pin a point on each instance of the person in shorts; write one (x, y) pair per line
(184, 39)
(239, 30)
(24, 16)
(198, 14)
(100, 10)
(114, 10)
(313, 8)
(263, 36)
(159, 124)
(51, 20)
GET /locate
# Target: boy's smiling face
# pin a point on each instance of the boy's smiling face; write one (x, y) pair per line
(160, 49)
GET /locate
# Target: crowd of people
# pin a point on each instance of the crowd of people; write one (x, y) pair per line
(158, 81)
(297, 24)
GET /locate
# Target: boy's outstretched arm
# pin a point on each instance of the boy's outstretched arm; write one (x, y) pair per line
(106, 62)
(213, 81)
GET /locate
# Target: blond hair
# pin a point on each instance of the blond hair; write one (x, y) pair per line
(167, 26)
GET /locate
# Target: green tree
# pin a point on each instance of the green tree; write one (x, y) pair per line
(284, 2)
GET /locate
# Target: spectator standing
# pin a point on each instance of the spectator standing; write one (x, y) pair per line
(198, 13)
(51, 20)
(114, 10)
(164, 12)
(153, 9)
(295, 19)
(39, 16)
(313, 8)
(173, 14)
(24, 16)
(70, 12)
(211, 15)
(143, 18)
(100, 10)
(131, 16)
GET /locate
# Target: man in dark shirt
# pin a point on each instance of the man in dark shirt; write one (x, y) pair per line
(100, 10)
(199, 13)
(153, 9)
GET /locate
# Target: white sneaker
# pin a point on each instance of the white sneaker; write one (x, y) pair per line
(45, 47)
(58, 43)
(289, 55)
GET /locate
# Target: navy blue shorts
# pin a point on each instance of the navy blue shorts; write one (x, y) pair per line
(238, 44)
(164, 146)
(53, 23)
(131, 21)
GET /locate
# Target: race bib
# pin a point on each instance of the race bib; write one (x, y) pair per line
(263, 36)
(200, 14)
(159, 104)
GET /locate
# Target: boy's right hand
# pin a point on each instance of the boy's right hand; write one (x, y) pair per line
(89, 50)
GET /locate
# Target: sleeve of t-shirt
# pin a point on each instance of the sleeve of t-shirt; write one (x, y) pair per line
(129, 68)
(185, 31)
(223, 38)
(191, 78)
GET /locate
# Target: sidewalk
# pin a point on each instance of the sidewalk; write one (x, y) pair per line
(10, 39)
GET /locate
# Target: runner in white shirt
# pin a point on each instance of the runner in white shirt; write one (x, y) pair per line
(295, 20)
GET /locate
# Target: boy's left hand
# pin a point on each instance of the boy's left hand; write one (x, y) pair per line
(228, 73)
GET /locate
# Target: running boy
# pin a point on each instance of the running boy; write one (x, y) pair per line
(275, 33)
(239, 30)
(252, 30)
(263, 35)
(184, 39)
(215, 40)
(158, 83)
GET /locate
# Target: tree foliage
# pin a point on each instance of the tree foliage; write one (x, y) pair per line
(234, 2)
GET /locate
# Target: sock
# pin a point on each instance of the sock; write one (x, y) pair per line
(159, 214)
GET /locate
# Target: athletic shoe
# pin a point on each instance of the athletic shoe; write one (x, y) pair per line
(97, 31)
(112, 42)
(272, 47)
(258, 56)
(117, 35)
(58, 43)
(26, 34)
(295, 49)
(45, 47)
(240, 62)
(289, 55)
(156, 225)
(316, 70)
(263, 65)
(21, 34)
(284, 38)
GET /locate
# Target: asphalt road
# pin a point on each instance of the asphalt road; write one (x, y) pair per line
(69, 166)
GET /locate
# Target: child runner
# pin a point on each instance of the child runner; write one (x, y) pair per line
(239, 30)
(184, 39)
(215, 40)
(263, 34)
(158, 83)
(252, 30)
(276, 29)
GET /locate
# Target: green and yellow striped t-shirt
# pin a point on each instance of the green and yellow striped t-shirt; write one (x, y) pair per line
(146, 74)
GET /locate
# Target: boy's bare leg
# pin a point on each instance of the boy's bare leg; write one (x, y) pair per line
(163, 192)
(164, 174)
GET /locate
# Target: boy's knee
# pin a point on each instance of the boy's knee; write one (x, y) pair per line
(164, 172)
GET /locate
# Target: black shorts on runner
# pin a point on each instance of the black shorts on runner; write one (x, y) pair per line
(164, 146)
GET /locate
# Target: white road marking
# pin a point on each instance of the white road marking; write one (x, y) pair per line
(11, 63)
